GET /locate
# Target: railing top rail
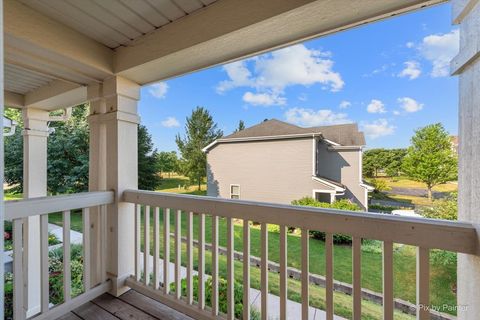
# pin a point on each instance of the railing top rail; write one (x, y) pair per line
(16, 209)
(429, 233)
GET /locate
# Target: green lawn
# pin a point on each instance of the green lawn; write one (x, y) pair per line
(442, 278)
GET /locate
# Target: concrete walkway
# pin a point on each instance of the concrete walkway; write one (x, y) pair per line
(294, 309)
(75, 236)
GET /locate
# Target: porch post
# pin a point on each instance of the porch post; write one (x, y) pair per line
(35, 136)
(114, 123)
(467, 66)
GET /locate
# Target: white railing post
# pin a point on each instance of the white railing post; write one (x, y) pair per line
(466, 64)
(35, 135)
(114, 121)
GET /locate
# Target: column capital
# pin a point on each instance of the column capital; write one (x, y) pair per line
(115, 115)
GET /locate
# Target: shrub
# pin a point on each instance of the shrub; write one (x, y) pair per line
(222, 296)
(446, 208)
(379, 185)
(342, 204)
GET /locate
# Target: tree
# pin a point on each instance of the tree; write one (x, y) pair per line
(200, 131)
(387, 160)
(241, 126)
(394, 162)
(430, 159)
(68, 153)
(167, 161)
(148, 179)
(14, 152)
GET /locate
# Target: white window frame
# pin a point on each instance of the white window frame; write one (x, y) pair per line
(239, 190)
(332, 194)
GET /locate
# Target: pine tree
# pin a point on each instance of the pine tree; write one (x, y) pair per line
(148, 178)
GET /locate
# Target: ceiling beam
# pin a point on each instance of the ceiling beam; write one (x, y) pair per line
(14, 100)
(35, 41)
(56, 95)
(232, 29)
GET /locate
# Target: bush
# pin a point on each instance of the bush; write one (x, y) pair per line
(222, 296)
(446, 208)
(342, 204)
(379, 185)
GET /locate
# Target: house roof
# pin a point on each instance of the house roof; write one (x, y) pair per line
(342, 134)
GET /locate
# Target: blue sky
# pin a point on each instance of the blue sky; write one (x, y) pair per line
(390, 77)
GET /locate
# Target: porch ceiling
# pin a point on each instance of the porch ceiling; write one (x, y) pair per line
(116, 22)
(54, 48)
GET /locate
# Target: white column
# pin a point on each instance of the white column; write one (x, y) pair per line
(114, 121)
(467, 66)
(97, 174)
(35, 137)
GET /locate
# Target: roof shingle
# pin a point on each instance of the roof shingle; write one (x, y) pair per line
(343, 134)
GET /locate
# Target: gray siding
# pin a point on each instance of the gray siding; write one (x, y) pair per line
(276, 171)
(345, 167)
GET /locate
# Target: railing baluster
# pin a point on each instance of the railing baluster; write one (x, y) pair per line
(138, 271)
(156, 248)
(178, 254)
(214, 265)
(283, 272)
(423, 283)
(305, 274)
(329, 275)
(44, 262)
(104, 233)
(264, 271)
(166, 251)
(66, 257)
(86, 248)
(230, 270)
(146, 245)
(201, 263)
(357, 277)
(18, 264)
(190, 257)
(246, 270)
(387, 280)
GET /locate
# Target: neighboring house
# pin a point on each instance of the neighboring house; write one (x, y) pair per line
(279, 162)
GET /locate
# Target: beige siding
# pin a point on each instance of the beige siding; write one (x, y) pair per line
(272, 171)
(345, 167)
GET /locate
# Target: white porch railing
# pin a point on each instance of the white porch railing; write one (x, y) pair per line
(17, 211)
(425, 234)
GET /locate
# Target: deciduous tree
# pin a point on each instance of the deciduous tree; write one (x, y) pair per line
(200, 131)
(430, 159)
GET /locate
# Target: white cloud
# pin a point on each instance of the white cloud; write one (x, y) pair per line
(409, 104)
(170, 122)
(376, 106)
(409, 44)
(344, 104)
(158, 90)
(377, 128)
(264, 99)
(412, 70)
(310, 117)
(439, 49)
(396, 112)
(273, 72)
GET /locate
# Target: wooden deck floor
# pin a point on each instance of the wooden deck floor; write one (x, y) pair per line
(131, 305)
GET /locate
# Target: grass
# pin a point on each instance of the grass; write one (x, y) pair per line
(404, 182)
(442, 278)
(342, 302)
(180, 184)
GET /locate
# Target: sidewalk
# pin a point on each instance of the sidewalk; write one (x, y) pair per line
(294, 309)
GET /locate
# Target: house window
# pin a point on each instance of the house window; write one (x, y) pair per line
(234, 191)
(323, 197)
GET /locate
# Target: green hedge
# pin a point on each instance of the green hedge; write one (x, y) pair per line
(342, 204)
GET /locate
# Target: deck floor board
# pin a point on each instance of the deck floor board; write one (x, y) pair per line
(130, 305)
